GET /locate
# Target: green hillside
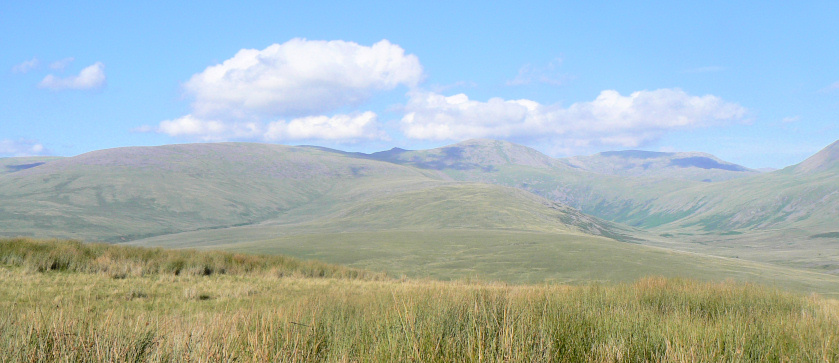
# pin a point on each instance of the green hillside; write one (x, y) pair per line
(611, 197)
(122, 194)
(129, 193)
(493, 255)
(481, 208)
(788, 216)
(802, 196)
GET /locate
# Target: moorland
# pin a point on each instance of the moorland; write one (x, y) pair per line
(481, 250)
(71, 301)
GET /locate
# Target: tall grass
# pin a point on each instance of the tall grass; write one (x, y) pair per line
(123, 261)
(88, 316)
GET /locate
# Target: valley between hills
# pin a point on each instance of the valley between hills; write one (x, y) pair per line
(480, 209)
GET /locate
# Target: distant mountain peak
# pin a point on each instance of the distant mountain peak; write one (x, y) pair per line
(703, 162)
(696, 166)
(635, 154)
(470, 154)
(827, 158)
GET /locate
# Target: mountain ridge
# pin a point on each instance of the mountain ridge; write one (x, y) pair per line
(696, 166)
(469, 154)
(825, 159)
(134, 193)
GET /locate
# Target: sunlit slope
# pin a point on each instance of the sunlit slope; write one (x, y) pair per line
(429, 207)
(469, 230)
(130, 193)
(789, 216)
(612, 197)
(510, 256)
(125, 193)
(802, 196)
(825, 160)
(462, 206)
(781, 199)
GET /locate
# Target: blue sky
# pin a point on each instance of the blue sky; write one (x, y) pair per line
(756, 83)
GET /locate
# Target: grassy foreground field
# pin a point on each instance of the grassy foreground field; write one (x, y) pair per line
(281, 309)
(497, 255)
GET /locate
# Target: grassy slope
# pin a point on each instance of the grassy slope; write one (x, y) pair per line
(780, 217)
(122, 194)
(509, 256)
(498, 162)
(121, 262)
(241, 316)
(458, 230)
(276, 192)
(130, 193)
(771, 217)
(429, 207)
(782, 199)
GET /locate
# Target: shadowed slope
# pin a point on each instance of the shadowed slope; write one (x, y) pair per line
(673, 165)
(11, 165)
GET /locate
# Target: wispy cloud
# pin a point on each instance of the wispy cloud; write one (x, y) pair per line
(59, 65)
(26, 66)
(90, 78)
(21, 147)
(348, 128)
(830, 88)
(547, 74)
(610, 119)
(791, 119)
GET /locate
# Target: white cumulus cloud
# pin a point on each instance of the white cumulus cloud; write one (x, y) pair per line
(610, 119)
(21, 148)
(338, 127)
(300, 77)
(282, 92)
(92, 77)
(208, 130)
(26, 66)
